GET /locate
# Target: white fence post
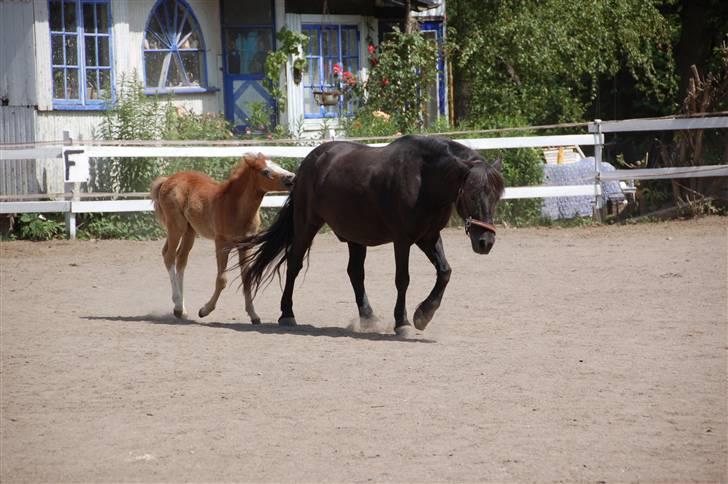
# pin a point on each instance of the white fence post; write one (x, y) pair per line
(74, 189)
(598, 145)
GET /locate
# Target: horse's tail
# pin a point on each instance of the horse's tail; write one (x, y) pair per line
(154, 191)
(268, 250)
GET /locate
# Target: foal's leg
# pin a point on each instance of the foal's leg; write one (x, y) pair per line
(169, 254)
(426, 310)
(183, 251)
(355, 269)
(294, 263)
(401, 280)
(222, 253)
(254, 318)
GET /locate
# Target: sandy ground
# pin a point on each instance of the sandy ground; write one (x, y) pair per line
(589, 354)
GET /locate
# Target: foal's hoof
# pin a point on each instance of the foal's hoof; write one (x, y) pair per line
(180, 314)
(406, 331)
(287, 321)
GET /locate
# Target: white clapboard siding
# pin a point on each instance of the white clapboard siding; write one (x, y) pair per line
(18, 176)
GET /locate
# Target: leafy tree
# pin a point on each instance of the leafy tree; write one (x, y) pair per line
(528, 61)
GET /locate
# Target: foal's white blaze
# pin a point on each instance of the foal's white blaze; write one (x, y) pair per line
(276, 168)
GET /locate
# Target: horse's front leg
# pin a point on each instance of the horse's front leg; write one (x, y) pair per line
(401, 280)
(247, 292)
(355, 269)
(426, 310)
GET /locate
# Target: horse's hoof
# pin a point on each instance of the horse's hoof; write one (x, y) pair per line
(288, 321)
(406, 331)
(180, 313)
(255, 321)
(203, 312)
(421, 320)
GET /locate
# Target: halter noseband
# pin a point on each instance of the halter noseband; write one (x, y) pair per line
(471, 221)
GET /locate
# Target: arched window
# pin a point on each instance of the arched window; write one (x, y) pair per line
(174, 50)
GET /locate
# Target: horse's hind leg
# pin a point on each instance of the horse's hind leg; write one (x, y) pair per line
(426, 310)
(355, 269)
(169, 254)
(222, 252)
(183, 252)
(247, 292)
(294, 263)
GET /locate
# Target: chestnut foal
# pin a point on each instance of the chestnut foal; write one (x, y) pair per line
(191, 203)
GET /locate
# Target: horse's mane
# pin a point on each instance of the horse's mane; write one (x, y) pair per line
(238, 170)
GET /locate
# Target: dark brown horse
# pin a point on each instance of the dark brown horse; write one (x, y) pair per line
(401, 193)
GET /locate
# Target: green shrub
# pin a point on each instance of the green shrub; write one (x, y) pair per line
(35, 226)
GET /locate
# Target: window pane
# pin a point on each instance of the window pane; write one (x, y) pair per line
(57, 49)
(90, 42)
(247, 49)
(105, 77)
(189, 39)
(92, 84)
(153, 62)
(175, 78)
(72, 84)
(89, 21)
(248, 12)
(104, 57)
(309, 103)
(69, 16)
(71, 50)
(313, 43)
(58, 83)
(155, 36)
(102, 17)
(55, 15)
(191, 62)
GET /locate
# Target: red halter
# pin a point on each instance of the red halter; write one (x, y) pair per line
(471, 221)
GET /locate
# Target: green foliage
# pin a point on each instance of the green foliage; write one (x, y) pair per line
(542, 61)
(521, 167)
(292, 44)
(370, 123)
(134, 226)
(34, 226)
(406, 62)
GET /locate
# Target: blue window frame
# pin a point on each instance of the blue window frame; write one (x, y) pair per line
(328, 45)
(81, 53)
(174, 49)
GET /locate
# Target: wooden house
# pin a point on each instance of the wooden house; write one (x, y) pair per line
(62, 60)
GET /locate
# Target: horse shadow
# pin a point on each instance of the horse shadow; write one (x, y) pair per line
(265, 328)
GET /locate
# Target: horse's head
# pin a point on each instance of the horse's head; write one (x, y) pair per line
(477, 200)
(271, 176)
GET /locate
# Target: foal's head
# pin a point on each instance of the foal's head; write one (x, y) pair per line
(270, 177)
(476, 204)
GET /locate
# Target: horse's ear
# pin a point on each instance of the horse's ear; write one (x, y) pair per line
(257, 162)
(498, 164)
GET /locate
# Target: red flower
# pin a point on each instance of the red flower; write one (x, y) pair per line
(385, 82)
(337, 69)
(371, 48)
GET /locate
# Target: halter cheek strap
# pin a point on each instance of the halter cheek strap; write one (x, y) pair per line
(471, 221)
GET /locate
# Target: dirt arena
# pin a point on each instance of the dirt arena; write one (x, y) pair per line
(589, 354)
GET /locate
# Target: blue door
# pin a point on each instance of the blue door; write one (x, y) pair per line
(437, 106)
(248, 35)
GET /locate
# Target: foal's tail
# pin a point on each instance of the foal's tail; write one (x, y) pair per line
(154, 190)
(268, 250)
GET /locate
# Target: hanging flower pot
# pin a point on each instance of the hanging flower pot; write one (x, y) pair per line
(297, 75)
(327, 98)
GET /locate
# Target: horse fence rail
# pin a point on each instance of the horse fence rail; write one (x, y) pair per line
(76, 159)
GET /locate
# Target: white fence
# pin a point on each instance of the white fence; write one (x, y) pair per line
(76, 159)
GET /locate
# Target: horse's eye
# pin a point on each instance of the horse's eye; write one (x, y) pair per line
(266, 172)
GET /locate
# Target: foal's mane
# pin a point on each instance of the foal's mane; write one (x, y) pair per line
(238, 170)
